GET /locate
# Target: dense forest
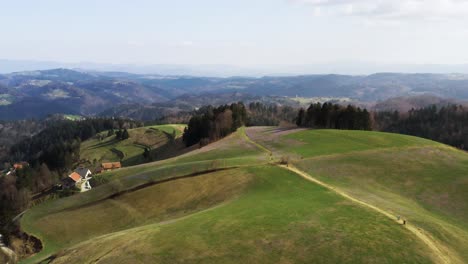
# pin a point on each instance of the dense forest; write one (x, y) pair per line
(269, 114)
(447, 124)
(212, 123)
(12, 132)
(334, 116)
(18, 189)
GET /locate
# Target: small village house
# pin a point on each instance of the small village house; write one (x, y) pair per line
(17, 166)
(20, 165)
(108, 166)
(79, 178)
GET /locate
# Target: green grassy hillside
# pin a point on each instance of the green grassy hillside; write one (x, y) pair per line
(130, 151)
(265, 214)
(229, 202)
(177, 129)
(420, 180)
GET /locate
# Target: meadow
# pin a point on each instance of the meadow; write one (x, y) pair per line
(422, 181)
(228, 202)
(264, 214)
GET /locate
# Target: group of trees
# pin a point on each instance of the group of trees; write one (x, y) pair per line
(334, 116)
(212, 123)
(269, 115)
(12, 132)
(17, 188)
(121, 134)
(447, 124)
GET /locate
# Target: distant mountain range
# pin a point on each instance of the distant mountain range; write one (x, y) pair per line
(36, 94)
(224, 70)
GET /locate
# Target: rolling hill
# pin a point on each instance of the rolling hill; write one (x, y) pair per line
(37, 94)
(232, 201)
(420, 180)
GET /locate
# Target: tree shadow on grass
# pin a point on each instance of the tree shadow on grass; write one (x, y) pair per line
(104, 144)
(169, 150)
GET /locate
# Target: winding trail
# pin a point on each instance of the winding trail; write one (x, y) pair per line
(440, 253)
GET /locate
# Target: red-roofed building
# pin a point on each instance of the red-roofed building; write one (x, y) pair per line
(79, 178)
(75, 176)
(107, 166)
(20, 165)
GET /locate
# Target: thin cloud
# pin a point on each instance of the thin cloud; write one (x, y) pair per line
(390, 9)
(187, 43)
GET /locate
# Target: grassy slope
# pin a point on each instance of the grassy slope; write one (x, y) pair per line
(296, 219)
(279, 216)
(423, 181)
(178, 128)
(131, 177)
(309, 143)
(132, 148)
(66, 225)
(233, 150)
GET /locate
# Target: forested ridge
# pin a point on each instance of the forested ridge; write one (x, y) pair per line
(212, 123)
(334, 116)
(446, 124)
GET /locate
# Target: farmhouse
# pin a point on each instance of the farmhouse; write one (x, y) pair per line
(83, 172)
(79, 178)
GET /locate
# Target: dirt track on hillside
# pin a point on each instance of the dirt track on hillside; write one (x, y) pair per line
(441, 253)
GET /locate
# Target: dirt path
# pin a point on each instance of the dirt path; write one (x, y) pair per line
(440, 252)
(248, 139)
(442, 255)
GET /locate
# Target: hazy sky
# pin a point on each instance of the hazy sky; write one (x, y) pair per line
(238, 32)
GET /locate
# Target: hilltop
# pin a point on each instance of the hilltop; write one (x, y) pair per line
(336, 201)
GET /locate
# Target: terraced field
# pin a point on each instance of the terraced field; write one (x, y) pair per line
(229, 202)
(130, 151)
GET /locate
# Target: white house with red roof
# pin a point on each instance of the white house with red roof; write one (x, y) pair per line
(79, 178)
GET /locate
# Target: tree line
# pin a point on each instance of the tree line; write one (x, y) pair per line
(212, 123)
(334, 116)
(447, 124)
(260, 114)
